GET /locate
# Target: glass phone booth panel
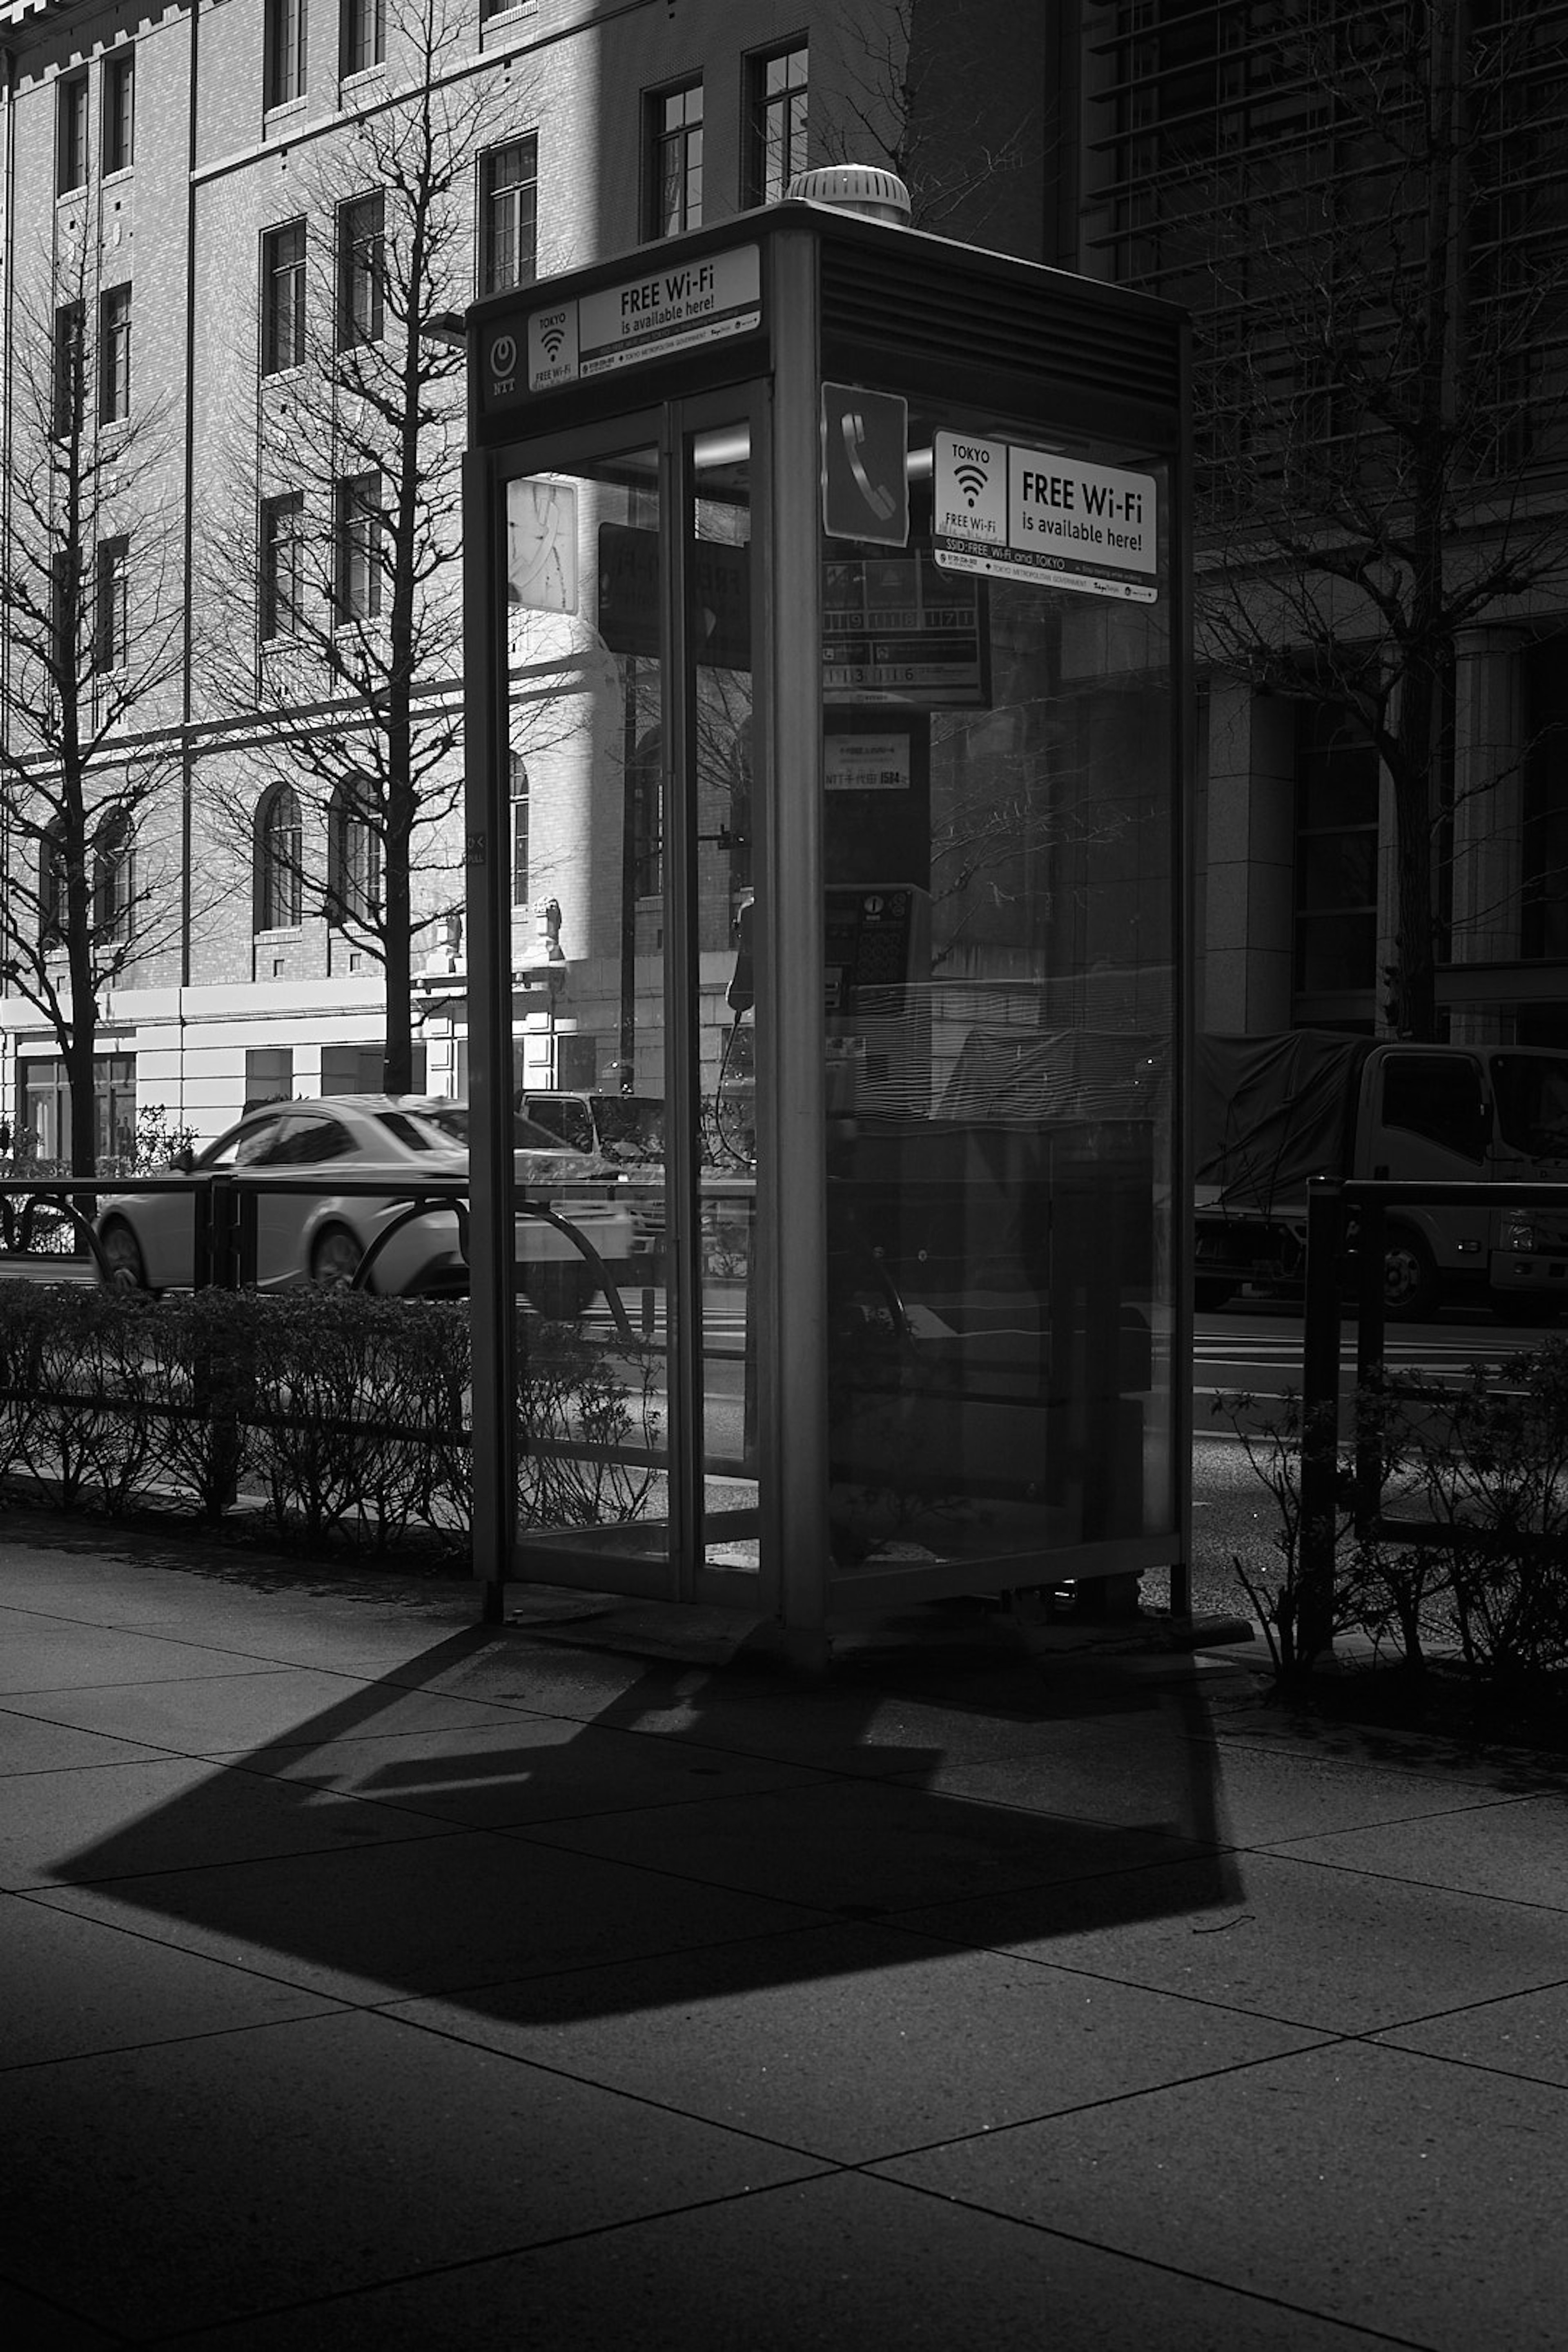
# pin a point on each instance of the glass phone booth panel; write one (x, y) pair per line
(633, 1080)
(999, 1034)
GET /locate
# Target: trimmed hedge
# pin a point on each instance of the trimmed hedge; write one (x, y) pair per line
(339, 1414)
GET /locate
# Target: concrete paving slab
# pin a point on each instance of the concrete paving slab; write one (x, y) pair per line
(42, 2324)
(282, 2163)
(691, 1972)
(1489, 1764)
(125, 1820)
(524, 1768)
(1232, 1796)
(862, 1845)
(44, 1654)
(1516, 1849)
(30, 1745)
(1527, 2034)
(837, 2260)
(70, 1986)
(1392, 2191)
(849, 1726)
(230, 1715)
(446, 1913)
(1335, 1950)
(854, 2041)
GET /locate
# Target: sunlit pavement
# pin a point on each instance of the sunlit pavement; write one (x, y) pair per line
(374, 1981)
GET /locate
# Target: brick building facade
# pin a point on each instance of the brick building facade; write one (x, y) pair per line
(205, 164)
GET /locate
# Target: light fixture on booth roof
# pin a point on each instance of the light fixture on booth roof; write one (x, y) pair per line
(864, 188)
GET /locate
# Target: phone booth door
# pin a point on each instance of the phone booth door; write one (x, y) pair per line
(630, 726)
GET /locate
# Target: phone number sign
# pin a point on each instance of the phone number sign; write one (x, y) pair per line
(1014, 513)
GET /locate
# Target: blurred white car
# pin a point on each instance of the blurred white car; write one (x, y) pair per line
(320, 1236)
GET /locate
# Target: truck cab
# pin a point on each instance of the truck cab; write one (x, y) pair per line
(1274, 1112)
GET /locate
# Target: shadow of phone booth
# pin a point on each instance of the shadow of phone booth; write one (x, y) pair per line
(826, 582)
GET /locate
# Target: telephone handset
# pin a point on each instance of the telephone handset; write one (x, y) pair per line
(882, 503)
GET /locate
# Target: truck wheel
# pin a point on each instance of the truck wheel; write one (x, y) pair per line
(1209, 1292)
(1409, 1278)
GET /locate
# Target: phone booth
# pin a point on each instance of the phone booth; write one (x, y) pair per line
(827, 623)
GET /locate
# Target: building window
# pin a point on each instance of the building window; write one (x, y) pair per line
(358, 566)
(278, 848)
(112, 877)
(70, 133)
(282, 583)
(1336, 853)
(776, 123)
(71, 356)
(361, 270)
(283, 67)
(268, 1075)
(363, 42)
(115, 355)
(52, 891)
(675, 160)
(283, 298)
(645, 809)
(354, 857)
(45, 1107)
(509, 216)
(111, 645)
(1543, 924)
(118, 98)
(518, 831)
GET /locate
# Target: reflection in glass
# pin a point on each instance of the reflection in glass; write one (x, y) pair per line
(620, 898)
(1000, 896)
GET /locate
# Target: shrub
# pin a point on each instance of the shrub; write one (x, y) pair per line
(349, 1414)
(1483, 1465)
(79, 1399)
(1488, 1460)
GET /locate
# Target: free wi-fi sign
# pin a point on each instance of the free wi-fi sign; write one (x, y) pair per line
(552, 347)
(969, 482)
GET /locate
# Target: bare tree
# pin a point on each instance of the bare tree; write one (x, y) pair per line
(1381, 380)
(920, 96)
(92, 616)
(337, 610)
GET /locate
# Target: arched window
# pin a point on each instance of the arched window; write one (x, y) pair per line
(518, 831)
(645, 814)
(353, 856)
(113, 879)
(278, 849)
(52, 885)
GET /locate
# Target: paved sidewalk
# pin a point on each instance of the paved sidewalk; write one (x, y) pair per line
(374, 1981)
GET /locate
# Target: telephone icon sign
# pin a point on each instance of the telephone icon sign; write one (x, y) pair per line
(865, 465)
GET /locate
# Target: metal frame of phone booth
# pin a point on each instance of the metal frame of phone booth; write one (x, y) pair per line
(796, 335)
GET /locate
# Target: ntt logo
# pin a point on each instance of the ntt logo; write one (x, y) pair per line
(503, 355)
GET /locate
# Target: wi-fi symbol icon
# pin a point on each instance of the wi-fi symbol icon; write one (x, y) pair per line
(971, 480)
(552, 337)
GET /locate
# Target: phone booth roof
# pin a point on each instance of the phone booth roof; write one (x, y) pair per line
(888, 304)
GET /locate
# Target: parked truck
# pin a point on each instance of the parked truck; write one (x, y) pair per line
(1270, 1112)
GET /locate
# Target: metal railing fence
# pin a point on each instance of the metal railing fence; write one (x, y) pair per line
(1335, 1208)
